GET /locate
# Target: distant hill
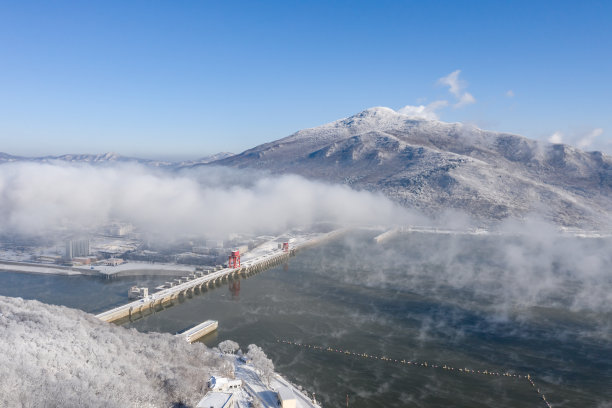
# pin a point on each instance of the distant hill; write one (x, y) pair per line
(434, 165)
(110, 158)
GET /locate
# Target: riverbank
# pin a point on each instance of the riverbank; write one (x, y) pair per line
(258, 392)
(25, 267)
(126, 269)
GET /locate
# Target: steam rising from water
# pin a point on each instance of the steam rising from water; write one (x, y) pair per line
(525, 282)
(507, 276)
(529, 265)
(36, 199)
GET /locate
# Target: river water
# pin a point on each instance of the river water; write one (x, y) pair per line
(495, 304)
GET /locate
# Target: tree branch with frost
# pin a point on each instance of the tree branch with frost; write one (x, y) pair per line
(228, 347)
(261, 362)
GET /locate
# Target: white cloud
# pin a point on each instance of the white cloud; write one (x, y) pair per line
(423, 112)
(453, 82)
(510, 93)
(583, 140)
(556, 138)
(456, 87)
(587, 140)
(466, 99)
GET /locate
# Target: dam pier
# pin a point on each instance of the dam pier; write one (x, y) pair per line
(200, 281)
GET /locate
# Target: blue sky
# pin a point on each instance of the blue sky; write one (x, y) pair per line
(190, 78)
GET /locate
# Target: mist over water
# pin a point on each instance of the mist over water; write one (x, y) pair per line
(506, 303)
(504, 275)
(523, 299)
(406, 300)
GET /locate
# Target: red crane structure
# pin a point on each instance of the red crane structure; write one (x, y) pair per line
(285, 246)
(234, 259)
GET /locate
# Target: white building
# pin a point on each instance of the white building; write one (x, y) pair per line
(113, 261)
(286, 397)
(222, 384)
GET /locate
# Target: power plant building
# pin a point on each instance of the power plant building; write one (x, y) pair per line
(77, 248)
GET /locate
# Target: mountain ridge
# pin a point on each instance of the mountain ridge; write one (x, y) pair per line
(110, 157)
(434, 166)
(427, 164)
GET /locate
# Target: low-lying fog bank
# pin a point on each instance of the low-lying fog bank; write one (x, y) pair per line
(37, 200)
(57, 356)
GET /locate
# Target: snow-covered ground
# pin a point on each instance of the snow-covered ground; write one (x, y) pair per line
(15, 256)
(254, 388)
(127, 268)
(30, 268)
(133, 267)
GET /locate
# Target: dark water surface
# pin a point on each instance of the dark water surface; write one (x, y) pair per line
(91, 294)
(402, 301)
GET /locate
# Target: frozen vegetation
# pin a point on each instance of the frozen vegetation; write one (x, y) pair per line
(261, 362)
(57, 356)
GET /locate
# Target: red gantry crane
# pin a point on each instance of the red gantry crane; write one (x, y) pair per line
(234, 259)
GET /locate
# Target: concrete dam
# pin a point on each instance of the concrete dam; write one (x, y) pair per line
(200, 281)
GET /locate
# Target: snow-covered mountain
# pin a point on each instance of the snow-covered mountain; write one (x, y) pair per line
(105, 158)
(434, 165)
(430, 165)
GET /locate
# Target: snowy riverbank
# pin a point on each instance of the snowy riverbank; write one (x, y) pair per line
(257, 392)
(37, 268)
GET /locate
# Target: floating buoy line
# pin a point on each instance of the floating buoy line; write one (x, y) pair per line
(423, 364)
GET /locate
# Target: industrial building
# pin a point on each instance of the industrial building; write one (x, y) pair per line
(81, 260)
(113, 261)
(77, 248)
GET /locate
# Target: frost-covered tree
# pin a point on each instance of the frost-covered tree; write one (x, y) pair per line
(53, 356)
(228, 346)
(261, 362)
